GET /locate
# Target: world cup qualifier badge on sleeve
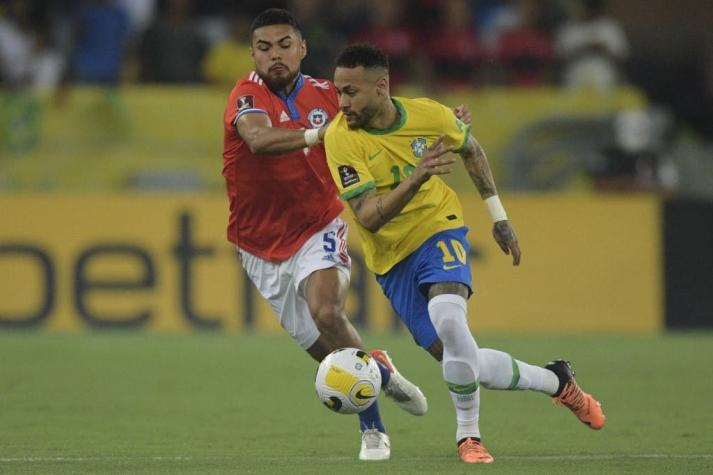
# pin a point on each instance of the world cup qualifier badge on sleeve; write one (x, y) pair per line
(348, 175)
(245, 102)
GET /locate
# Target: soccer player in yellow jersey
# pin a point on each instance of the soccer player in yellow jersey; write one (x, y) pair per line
(385, 154)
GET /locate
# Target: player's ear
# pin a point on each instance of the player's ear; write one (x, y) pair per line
(303, 49)
(382, 85)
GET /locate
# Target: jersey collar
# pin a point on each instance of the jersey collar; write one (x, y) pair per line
(399, 123)
(290, 100)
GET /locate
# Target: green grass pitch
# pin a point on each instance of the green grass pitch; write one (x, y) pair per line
(218, 403)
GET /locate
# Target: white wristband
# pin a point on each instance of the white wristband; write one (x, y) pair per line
(311, 137)
(495, 208)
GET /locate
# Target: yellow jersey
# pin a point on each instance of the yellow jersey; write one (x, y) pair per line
(364, 159)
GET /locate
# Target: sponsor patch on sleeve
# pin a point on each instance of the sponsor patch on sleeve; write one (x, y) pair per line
(245, 102)
(348, 175)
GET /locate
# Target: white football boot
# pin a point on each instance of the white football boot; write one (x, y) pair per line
(375, 445)
(405, 394)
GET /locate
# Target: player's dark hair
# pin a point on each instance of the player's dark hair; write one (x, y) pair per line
(363, 54)
(274, 16)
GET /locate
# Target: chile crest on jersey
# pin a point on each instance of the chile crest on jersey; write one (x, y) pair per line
(317, 117)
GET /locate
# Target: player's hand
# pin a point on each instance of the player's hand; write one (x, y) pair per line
(506, 239)
(463, 114)
(321, 132)
(433, 163)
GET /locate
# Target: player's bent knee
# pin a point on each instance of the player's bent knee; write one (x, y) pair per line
(449, 327)
(328, 317)
(457, 371)
(449, 317)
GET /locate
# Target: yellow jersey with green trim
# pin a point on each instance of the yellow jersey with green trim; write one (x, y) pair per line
(364, 159)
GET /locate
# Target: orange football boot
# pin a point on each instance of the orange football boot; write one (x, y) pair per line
(472, 451)
(583, 405)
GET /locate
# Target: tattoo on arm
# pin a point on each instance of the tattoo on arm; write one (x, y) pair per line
(504, 232)
(358, 201)
(476, 163)
(380, 209)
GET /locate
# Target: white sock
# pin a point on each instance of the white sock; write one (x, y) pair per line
(499, 370)
(460, 360)
(467, 414)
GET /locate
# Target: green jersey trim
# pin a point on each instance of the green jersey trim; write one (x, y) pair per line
(465, 140)
(400, 123)
(463, 389)
(515, 375)
(347, 195)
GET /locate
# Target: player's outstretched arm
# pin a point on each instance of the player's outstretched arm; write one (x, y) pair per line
(479, 170)
(264, 139)
(374, 211)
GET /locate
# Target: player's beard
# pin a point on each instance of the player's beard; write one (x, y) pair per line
(279, 82)
(361, 119)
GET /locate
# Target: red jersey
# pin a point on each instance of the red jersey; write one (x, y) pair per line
(277, 202)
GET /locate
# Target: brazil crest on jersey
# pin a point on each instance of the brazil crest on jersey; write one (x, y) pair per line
(360, 160)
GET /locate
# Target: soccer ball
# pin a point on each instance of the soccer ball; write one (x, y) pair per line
(348, 381)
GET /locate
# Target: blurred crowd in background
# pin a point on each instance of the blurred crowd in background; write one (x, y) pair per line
(436, 44)
(444, 43)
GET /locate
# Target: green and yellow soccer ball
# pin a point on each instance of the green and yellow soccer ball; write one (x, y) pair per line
(348, 381)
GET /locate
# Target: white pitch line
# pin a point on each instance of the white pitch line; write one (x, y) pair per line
(101, 459)
(502, 457)
(607, 456)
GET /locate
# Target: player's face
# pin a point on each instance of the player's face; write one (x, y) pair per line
(359, 95)
(277, 52)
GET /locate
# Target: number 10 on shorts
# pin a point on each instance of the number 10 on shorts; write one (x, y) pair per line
(452, 252)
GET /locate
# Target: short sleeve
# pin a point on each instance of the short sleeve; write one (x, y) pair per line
(347, 163)
(455, 130)
(249, 97)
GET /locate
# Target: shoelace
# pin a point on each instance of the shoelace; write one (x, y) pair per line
(371, 439)
(471, 446)
(573, 398)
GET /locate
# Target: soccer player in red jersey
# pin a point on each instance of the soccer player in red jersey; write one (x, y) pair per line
(284, 208)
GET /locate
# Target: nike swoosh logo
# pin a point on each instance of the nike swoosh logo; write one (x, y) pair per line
(445, 267)
(359, 395)
(373, 155)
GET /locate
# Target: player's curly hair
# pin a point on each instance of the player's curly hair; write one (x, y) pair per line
(274, 16)
(363, 54)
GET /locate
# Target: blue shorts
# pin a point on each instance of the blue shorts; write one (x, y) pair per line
(444, 257)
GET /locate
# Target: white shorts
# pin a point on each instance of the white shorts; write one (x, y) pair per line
(283, 284)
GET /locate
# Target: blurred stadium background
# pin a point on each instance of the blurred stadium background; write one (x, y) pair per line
(597, 117)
